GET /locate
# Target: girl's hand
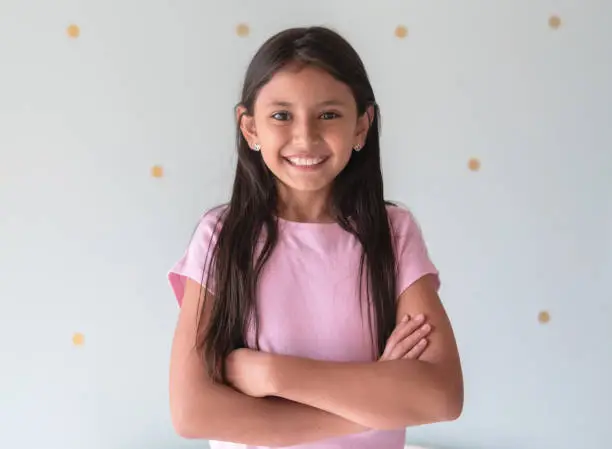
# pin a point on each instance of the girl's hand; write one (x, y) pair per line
(407, 340)
(250, 372)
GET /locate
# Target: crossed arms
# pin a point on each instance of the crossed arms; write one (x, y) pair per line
(286, 400)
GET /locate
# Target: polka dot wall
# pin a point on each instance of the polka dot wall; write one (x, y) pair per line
(117, 134)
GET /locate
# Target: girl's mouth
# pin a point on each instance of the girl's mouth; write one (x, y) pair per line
(305, 162)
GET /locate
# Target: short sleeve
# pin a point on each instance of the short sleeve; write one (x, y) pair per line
(195, 263)
(413, 259)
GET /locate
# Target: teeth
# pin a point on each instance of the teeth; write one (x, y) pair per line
(305, 162)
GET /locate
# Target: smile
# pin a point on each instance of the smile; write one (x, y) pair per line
(305, 161)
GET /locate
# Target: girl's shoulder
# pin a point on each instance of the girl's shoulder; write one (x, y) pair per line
(401, 218)
(209, 224)
(213, 217)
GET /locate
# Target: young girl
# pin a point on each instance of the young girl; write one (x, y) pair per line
(303, 299)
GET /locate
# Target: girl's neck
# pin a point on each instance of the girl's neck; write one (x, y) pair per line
(306, 207)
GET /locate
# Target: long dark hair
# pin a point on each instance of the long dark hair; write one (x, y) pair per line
(357, 202)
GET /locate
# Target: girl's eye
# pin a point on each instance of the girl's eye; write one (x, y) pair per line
(282, 116)
(329, 115)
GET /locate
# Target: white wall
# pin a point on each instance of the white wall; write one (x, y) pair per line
(87, 234)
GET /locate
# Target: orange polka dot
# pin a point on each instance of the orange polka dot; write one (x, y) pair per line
(157, 171)
(544, 317)
(474, 164)
(554, 22)
(242, 30)
(73, 31)
(401, 31)
(78, 339)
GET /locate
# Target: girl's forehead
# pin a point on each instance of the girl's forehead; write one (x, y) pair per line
(307, 83)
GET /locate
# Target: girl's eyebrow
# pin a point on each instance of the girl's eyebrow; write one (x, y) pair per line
(286, 104)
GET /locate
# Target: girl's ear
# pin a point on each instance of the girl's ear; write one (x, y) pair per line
(363, 125)
(246, 123)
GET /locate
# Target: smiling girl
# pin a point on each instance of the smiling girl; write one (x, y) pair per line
(305, 301)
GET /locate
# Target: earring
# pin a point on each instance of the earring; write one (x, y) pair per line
(357, 147)
(257, 147)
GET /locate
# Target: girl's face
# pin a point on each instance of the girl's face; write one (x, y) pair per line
(306, 123)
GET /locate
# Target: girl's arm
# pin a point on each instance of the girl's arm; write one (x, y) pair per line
(385, 395)
(201, 409)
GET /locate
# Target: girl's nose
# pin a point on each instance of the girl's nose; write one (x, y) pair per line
(306, 132)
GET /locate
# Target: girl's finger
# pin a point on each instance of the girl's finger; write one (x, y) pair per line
(394, 337)
(410, 341)
(406, 327)
(417, 350)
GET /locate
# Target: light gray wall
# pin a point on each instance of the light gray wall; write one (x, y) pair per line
(87, 234)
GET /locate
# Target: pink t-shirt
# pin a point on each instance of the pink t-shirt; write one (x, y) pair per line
(308, 298)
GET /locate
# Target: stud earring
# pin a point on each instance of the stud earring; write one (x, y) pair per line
(357, 147)
(257, 147)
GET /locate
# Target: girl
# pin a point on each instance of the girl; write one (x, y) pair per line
(302, 300)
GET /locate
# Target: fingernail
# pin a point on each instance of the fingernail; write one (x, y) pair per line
(419, 317)
(426, 327)
(404, 318)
